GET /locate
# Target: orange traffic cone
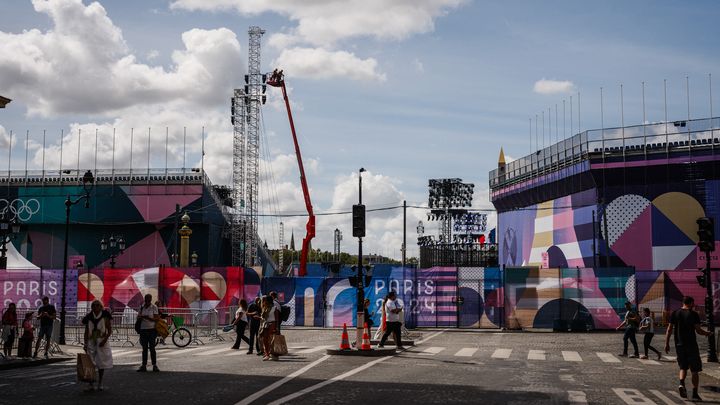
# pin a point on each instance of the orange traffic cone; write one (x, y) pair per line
(345, 343)
(365, 339)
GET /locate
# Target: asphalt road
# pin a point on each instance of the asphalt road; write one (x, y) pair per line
(445, 367)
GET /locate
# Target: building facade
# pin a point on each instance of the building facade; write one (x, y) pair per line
(617, 197)
(139, 206)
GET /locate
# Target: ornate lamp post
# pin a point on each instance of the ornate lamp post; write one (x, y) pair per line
(116, 247)
(88, 182)
(7, 229)
(185, 233)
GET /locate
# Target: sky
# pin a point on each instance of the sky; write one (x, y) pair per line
(410, 90)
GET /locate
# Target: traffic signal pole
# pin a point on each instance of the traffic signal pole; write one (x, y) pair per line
(709, 309)
(360, 292)
(706, 233)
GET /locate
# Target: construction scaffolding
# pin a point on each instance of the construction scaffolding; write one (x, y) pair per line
(245, 116)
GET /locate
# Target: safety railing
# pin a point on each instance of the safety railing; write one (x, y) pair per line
(663, 137)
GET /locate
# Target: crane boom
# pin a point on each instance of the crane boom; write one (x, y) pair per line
(277, 80)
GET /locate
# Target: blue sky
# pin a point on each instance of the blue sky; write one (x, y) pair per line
(408, 89)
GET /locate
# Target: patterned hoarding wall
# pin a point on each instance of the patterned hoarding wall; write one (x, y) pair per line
(143, 214)
(197, 288)
(465, 297)
(561, 228)
(27, 287)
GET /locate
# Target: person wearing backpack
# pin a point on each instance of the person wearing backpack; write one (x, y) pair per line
(631, 323)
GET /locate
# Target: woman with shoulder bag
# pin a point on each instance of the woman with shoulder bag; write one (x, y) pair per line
(240, 323)
(98, 328)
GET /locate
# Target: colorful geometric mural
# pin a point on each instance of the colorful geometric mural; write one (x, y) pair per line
(556, 233)
(535, 298)
(197, 288)
(144, 214)
(658, 234)
(466, 297)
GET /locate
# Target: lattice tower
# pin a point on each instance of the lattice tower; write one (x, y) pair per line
(238, 175)
(252, 150)
(282, 247)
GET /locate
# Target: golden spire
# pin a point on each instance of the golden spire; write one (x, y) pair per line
(501, 158)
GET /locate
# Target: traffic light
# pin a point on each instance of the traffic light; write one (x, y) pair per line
(706, 232)
(701, 279)
(358, 220)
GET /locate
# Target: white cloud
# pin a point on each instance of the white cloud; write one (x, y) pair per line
(545, 86)
(83, 65)
(318, 63)
(309, 48)
(325, 22)
(152, 55)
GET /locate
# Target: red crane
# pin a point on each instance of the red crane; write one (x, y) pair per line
(277, 80)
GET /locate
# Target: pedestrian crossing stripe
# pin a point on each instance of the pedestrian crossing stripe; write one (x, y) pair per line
(536, 355)
(213, 351)
(466, 352)
(430, 351)
(608, 358)
(647, 361)
(502, 354)
(184, 351)
(571, 356)
(313, 349)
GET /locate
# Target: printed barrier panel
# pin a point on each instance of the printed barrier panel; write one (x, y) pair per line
(27, 287)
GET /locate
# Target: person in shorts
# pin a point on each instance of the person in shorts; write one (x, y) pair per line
(683, 325)
(46, 315)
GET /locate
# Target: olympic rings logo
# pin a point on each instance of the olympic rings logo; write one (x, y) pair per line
(22, 210)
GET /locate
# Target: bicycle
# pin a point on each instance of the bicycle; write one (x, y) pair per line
(181, 336)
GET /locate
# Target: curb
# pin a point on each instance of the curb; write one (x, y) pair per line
(13, 364)
(361, 353)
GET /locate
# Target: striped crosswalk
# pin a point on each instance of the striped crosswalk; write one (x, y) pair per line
(533, 355)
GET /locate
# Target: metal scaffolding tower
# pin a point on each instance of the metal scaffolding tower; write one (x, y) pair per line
(246, 152)
(237, 117)
(281, 256)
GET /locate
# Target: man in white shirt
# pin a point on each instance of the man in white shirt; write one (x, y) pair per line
(393, 323)
(149, 314)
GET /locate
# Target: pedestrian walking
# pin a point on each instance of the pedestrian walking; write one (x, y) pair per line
(26, 339)
(631, 323)
(684, 323)
(647, 326)
(98, 328)
(253, 314)
(9, 329)
(149, 314)
(268, 328)
(46, 314)
(392, 323)
(240, 323)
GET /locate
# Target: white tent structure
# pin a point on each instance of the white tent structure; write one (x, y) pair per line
(16, 261)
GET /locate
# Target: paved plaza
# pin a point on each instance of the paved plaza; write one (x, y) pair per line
(445, 366)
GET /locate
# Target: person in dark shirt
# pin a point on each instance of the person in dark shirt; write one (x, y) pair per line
(684, 323)
(46, 315)
(253, 314)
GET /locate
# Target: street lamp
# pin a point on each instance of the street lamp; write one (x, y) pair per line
(360, 292)
(7, 229)
(194, 259)
(116, 246)
(88, 181)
